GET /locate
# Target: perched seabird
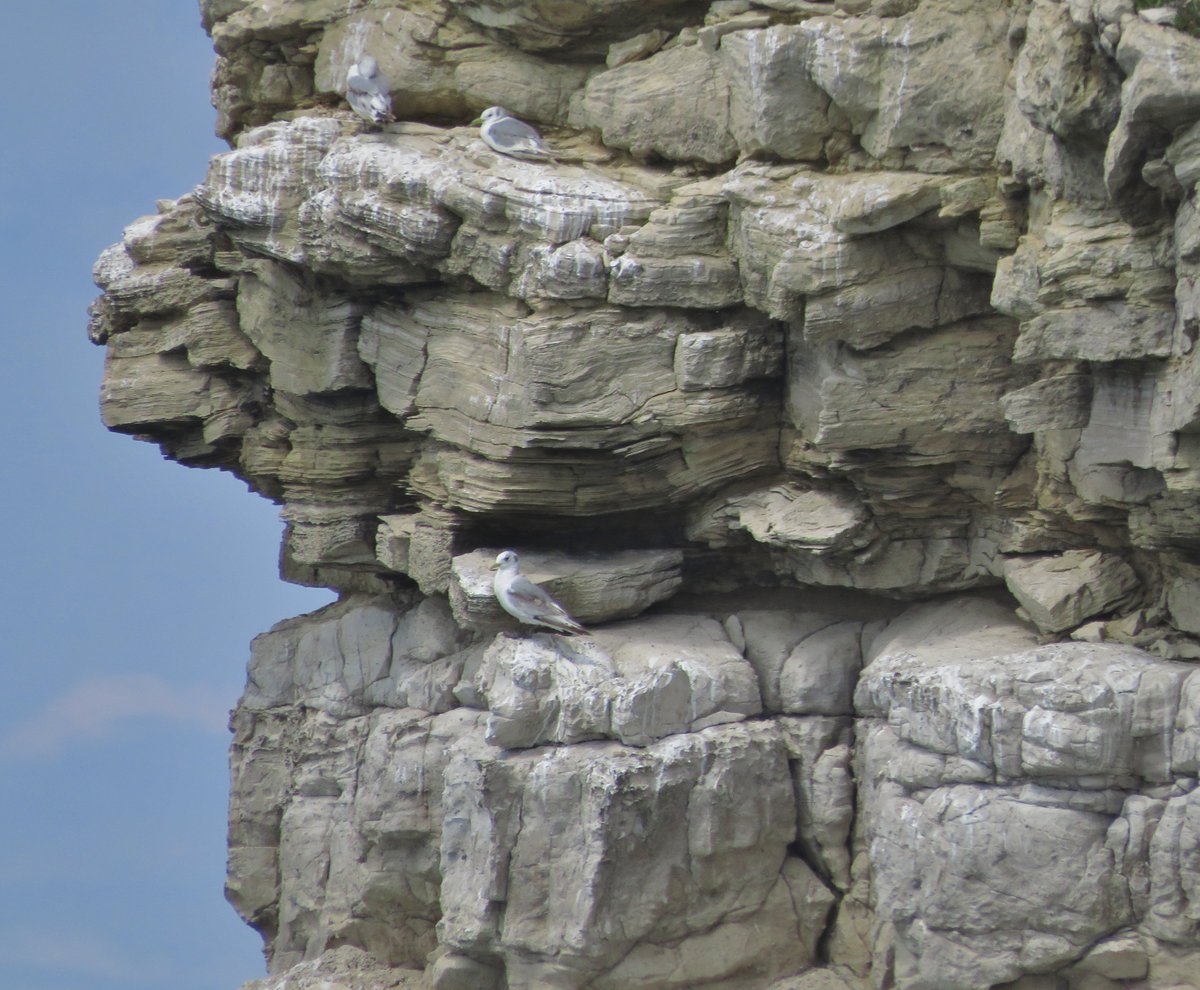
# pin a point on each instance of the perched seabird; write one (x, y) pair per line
(369, 91)
(504, 133)
(525, 601)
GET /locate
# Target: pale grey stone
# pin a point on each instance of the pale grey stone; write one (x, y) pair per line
(343, 968)
(273, 306)
(416, 346)
(678, 256)
(728, 356)
(819, 675)
(454, 971)
(1184, 155)
(1118, 957)
(1060, 83)
(1161, 92)
(358, 801)
(932, 77)
(1174, 871)
(799, 233)
(1183, 598)
(536, 27)
(1107, 331)
(571, 839)
(787, 516)
(1059, 403)
(696, 281)
(637, 682)
(951, 878)
(631, 49)
(844, 399)
(770, 639)
(1118, 453)
(775, 106)
(820, 751)
(674, 104)
(1061, 591)
(419, 544)
(356, 655)
(165, 388)
(1024, 714)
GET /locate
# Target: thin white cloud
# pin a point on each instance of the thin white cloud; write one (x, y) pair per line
(91, 708)
(78, 953)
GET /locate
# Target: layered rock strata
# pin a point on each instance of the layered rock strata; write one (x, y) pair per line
(839, 375)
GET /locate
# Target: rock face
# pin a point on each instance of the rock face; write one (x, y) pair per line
(839, 374)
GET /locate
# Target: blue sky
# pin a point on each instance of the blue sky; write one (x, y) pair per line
(132, 586)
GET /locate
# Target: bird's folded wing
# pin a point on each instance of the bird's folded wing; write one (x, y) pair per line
(529, 594)
(510, 131)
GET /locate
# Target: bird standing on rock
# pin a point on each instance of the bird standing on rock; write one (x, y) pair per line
(502, 132)
(369, 91)
(525, 601)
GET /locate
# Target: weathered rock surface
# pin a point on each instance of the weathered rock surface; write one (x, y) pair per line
(635, 682)
(599, 588)
(708, 898)
(1060, 592)
(985, 770)
(343, 968)
(818, 299)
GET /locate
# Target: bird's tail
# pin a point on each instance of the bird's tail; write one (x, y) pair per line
(564, 624)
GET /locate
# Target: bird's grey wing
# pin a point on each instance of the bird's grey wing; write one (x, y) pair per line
(356, 82)
(530, 595)
(539, 607)
(511, 132)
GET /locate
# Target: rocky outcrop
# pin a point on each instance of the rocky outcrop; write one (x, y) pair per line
(838, 374)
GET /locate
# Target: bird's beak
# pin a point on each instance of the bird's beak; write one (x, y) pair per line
(478, 120)
(494, 566)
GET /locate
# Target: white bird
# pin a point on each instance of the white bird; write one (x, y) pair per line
(504, 133)
(525, 601)
(369, 91)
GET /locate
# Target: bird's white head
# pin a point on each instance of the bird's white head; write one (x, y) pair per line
(367, 66)
(506, 561)
(493, 113)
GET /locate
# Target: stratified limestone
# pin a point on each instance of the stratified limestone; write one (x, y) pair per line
(597, 588)
(572, 866)
(687, 119)
(817, 298)
(1060, 592)
(359, 655)
(953, 879)
(636, 682)
(986, 767)
(362, 806)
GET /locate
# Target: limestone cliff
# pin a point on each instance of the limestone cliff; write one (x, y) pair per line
(841, 374)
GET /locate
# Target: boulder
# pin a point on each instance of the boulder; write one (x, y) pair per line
(674, 104)
(1061, 591)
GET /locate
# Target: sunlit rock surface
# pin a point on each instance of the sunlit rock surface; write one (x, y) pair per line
(839, 374)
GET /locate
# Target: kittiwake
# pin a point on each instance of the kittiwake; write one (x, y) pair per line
(525, 601)
(369, 91)
(504, 133)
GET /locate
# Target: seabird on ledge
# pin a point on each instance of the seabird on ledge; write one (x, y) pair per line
(525, 601)
(502, 132)
(369, 91)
